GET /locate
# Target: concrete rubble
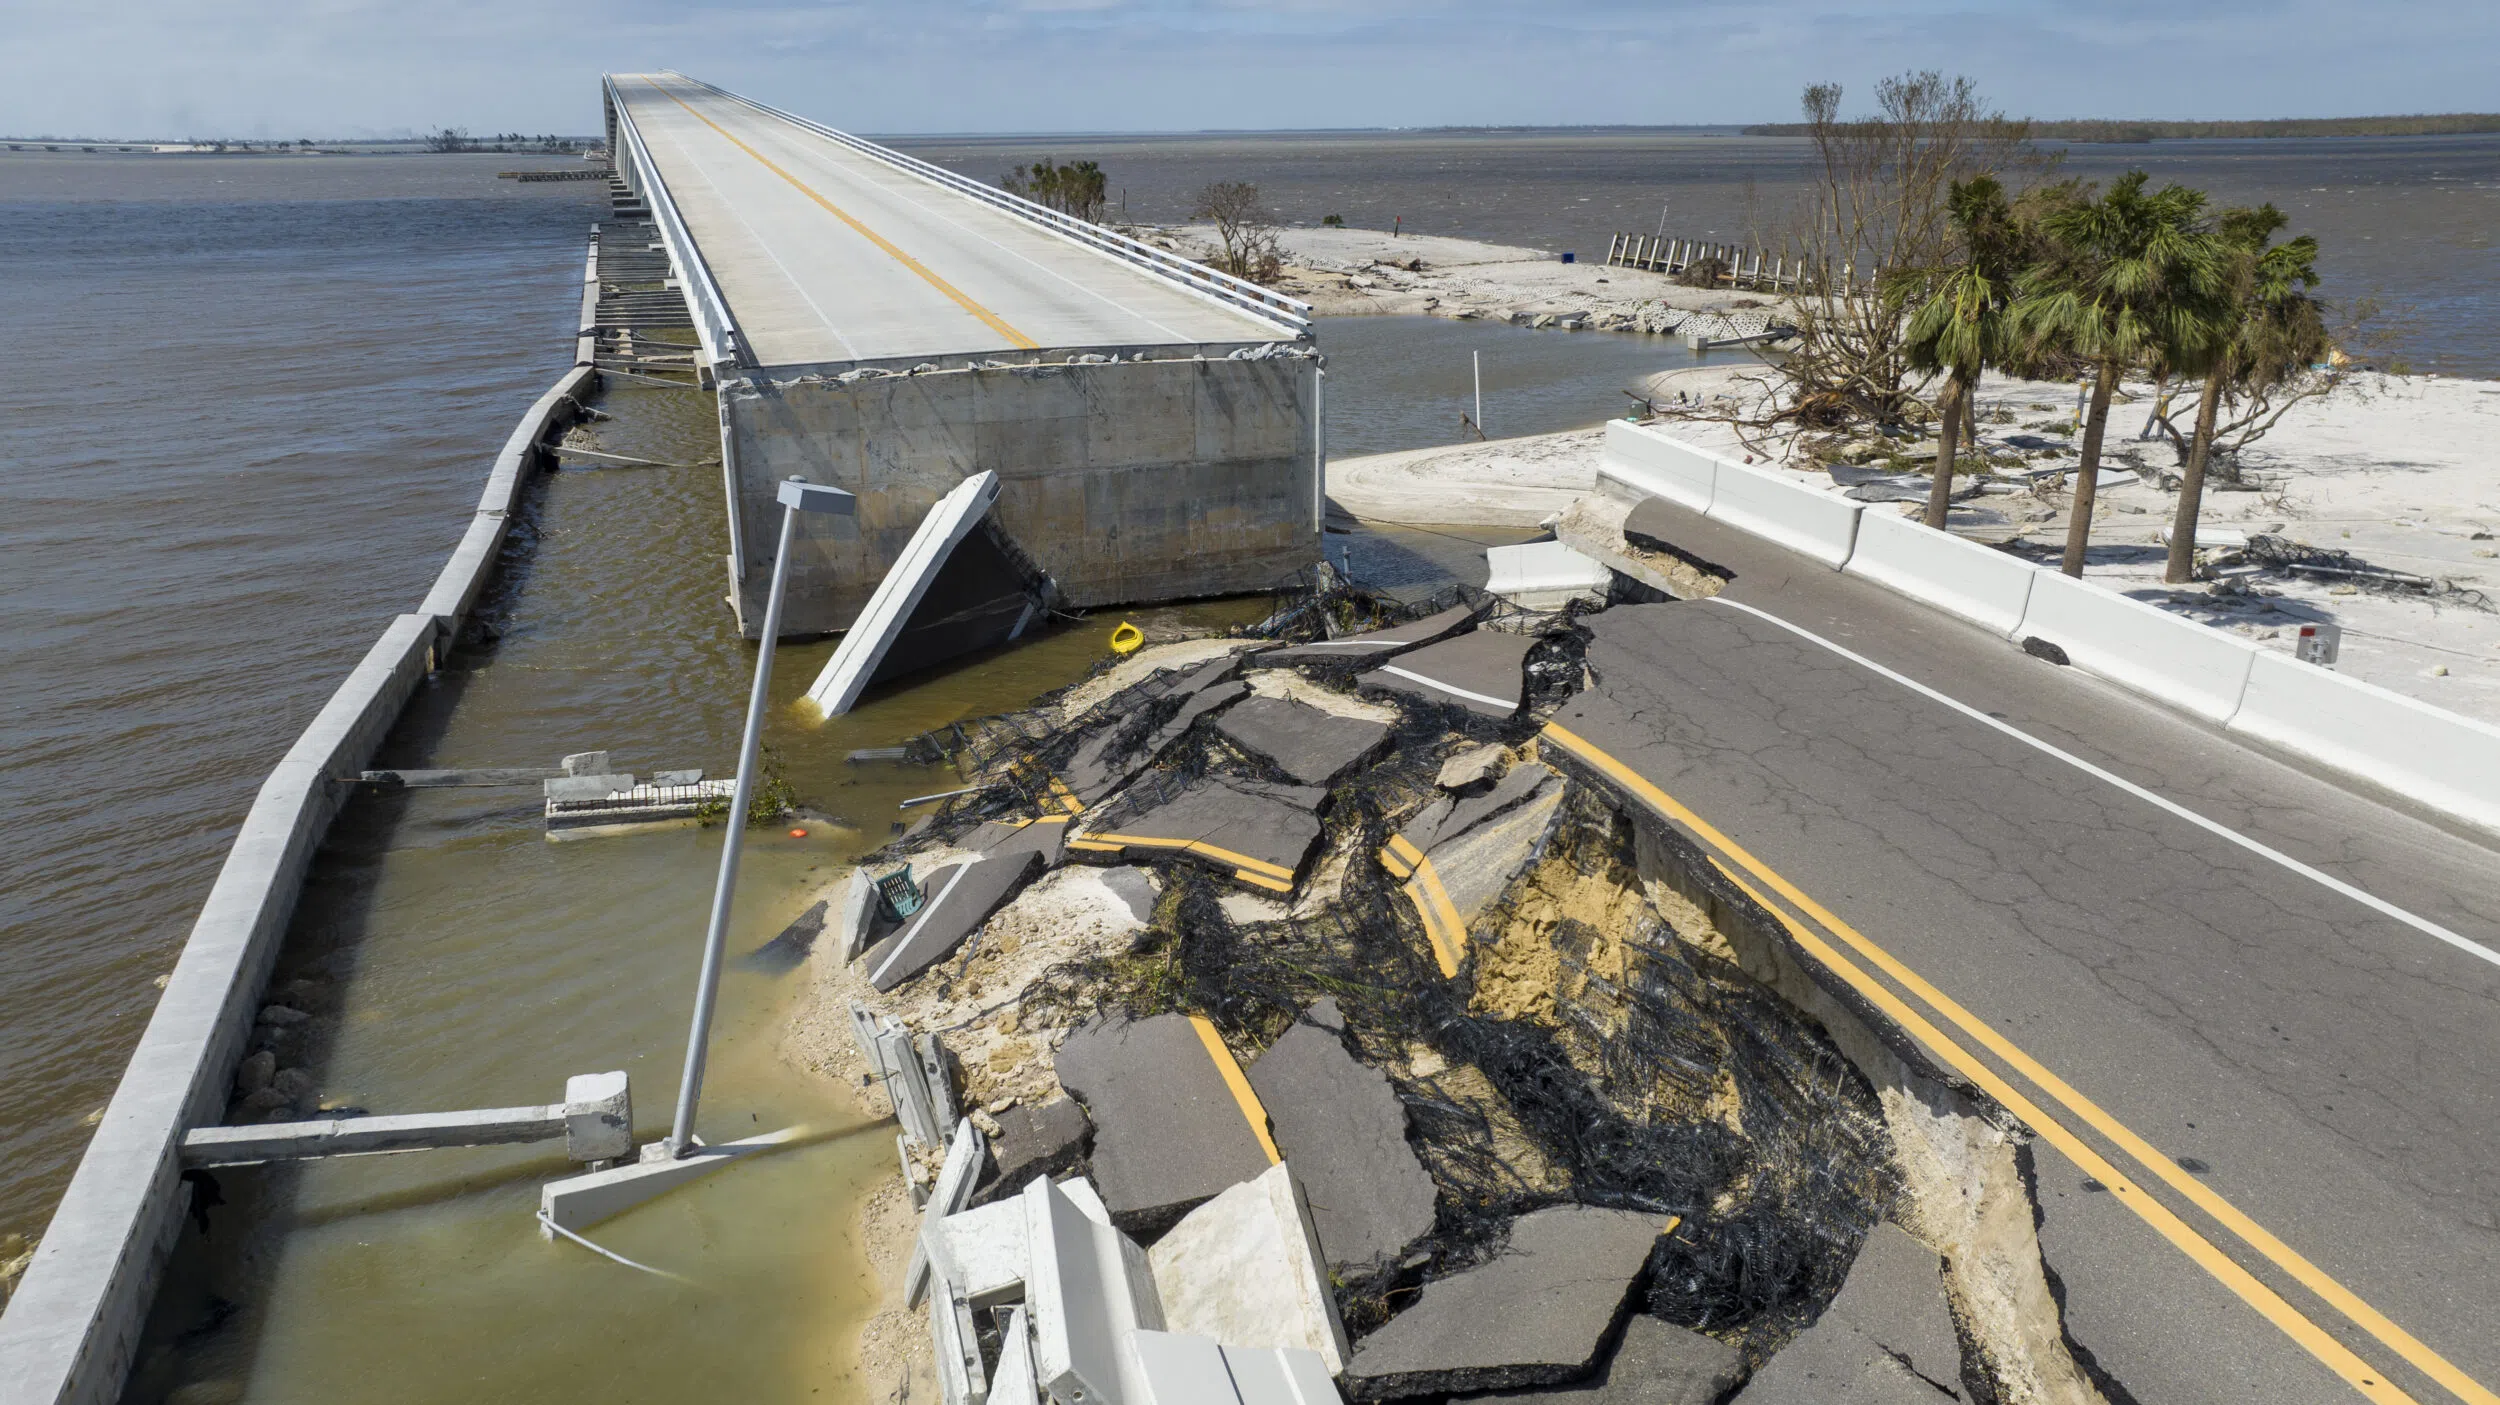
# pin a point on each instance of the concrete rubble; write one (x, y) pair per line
(1342, 1129)
(1536, 1313)
(1481, 671)
(1170, 1127)
(1128, 1210)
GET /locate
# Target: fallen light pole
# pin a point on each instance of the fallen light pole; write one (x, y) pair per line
(569, 1204)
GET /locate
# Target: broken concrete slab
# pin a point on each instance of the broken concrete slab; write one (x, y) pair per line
(1245, 1269)
(1656, 1363)
(956, 901)
(1375, 645)
(1457, 856)
(784, 953)
(1482, 671)
(959, 585)
(1342, 1128)
(1046, 836)
(1537, 1313)
(1087, 1288)
(956, 1178)
(855, 916)
(1115, 753)
(1544, 575)
(1473, 771)
(1894, 1295)
(1596, 527)
(1310, 746)
(1176, 1368)
(1260, 834)
(1044, 1140)
(1136, 887)
(1833, 1363)
(1175, 1121)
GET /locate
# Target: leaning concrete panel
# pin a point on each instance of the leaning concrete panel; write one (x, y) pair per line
(1127, 481)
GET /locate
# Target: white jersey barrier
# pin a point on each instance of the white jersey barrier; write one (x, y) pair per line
(1807, 520)
(1652, 465)
(2176, 661)
(1981, 584)
(2430, 756)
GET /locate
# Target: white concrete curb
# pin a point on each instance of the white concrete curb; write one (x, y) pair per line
(1984, 586)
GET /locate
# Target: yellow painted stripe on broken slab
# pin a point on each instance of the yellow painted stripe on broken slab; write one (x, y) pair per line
(1252, 1110)
(1194, 846)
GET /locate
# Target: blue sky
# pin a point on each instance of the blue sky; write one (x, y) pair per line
(355, 67)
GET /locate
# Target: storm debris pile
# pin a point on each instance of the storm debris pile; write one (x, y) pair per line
(1309, 963)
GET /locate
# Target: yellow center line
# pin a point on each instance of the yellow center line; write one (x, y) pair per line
(1194, 846)
(993, 320)
(2334, 1293)
(1252, 1110)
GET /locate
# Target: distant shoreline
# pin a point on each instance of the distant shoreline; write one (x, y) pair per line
(2103, 130)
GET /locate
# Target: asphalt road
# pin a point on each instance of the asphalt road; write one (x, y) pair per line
(828, 255)
(2266, 1106)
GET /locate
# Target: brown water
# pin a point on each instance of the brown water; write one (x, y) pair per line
(266, 395)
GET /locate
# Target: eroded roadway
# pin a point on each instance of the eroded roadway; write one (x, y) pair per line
(826, 254)
(2266, 1097)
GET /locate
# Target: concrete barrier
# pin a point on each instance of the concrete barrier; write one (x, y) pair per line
(1806, 520)
(472, 562)
(2428, 755)
(2176, 661)
(1651, 464)
(1987, 587)
(73, 1324)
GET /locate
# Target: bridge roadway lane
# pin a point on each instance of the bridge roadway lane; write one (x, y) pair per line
(825, 254)
(2324, 1072)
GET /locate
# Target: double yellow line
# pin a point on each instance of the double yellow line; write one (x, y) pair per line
(1793, 901)
(1442, 925)
(1273, 877)
(995, 322)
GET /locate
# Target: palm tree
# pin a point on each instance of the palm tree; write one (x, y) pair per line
(1965, 321)
(2275, 330)
(2129, 277)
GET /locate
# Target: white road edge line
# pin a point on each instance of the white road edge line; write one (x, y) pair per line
(1456, 692)
(2378, 904)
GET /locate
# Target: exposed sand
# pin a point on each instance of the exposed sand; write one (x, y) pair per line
(1364, 272)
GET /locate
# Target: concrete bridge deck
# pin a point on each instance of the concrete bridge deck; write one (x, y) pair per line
(826, 253)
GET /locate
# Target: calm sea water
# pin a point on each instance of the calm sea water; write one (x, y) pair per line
(251, 405)
(2411, 221)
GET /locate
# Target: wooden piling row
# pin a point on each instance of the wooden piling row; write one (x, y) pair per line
(1740, 267)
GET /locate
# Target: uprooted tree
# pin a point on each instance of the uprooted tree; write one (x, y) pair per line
(1245, 232)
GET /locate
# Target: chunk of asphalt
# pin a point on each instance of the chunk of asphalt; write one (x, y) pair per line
(1260, 834)
(1136, 887)
(1482, 671)
(1537, 1313)
(1833, 1363)
(1342, 1129)
(1656, 1363)
(1094, 774)
(953, 906)
(1459, 854)
(1045, 836)
(1044, 1140)
(1171, 1131)
(1474, 770)
(1374, 645)
(1895, 1296)
(784, 953)
(1311, 746)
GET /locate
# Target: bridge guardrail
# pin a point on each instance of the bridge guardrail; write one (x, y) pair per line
(713, 324)
(1211, 284)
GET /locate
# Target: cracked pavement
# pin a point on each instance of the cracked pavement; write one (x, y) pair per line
(2334, 1072)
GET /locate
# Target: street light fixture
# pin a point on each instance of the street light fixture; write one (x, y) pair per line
(796, 495)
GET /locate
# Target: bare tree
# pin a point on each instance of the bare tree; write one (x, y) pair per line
(1880, 207)
(450, 139)
(1243, 226)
